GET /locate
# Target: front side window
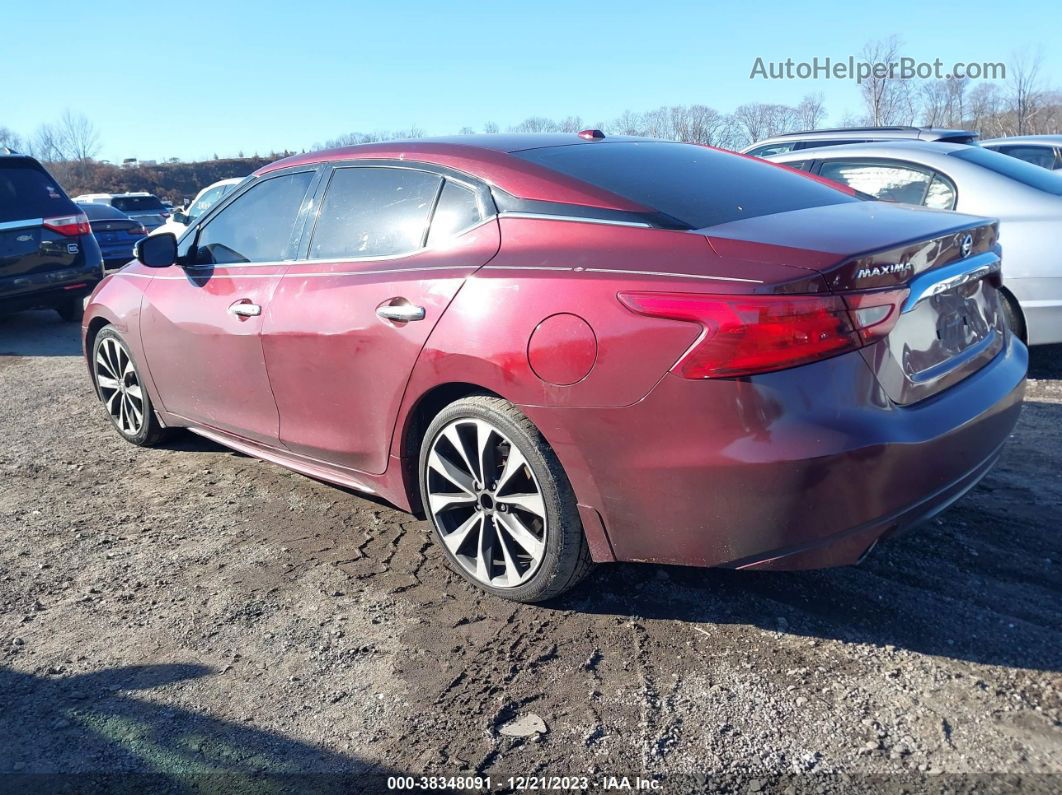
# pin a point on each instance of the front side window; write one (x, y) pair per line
(891, 182)
(374, 211)
(257, 226)
(772, 149)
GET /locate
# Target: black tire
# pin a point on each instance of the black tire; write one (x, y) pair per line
(1013, 316)
(149, 432)
(566, 557)
(71, 310)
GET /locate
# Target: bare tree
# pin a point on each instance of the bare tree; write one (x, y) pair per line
(985, 110)
(10, 139)
(535, 124)
(811, 112)
(467, 131)
(628, 123)
(81, 140)
(491, 127)
(1026, 97)
(759, 120)
(571, 124)
(886, 98)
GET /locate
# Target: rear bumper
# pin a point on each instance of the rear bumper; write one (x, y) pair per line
(800, 469)
(48, 289)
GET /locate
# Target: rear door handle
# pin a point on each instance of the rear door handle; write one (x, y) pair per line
(400, 313)
(245, 309)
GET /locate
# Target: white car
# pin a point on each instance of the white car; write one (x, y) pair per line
(204, 200)
(146, 208)
(974, 180)
(1040, 150)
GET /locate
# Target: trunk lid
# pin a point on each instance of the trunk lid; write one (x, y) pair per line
(949, 325)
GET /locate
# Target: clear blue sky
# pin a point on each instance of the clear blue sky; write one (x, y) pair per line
(188, 79)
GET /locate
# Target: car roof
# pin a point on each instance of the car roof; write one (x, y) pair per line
(96, 211)
(906, 148)
(491, 159)
(1045, 140)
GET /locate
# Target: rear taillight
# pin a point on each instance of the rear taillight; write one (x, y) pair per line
(138, 231)
(749, 334)
(69, 225)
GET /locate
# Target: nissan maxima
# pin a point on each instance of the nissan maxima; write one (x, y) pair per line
(564, 349)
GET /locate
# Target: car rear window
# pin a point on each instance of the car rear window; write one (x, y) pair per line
(128, 204)
(27, 191)
(1026, 173)
(698, 186)
(100, 212)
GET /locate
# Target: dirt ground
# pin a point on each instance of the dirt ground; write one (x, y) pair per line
(195, 619)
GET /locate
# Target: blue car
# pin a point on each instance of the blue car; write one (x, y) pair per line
(115, 231)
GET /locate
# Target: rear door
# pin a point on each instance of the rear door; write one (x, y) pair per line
(201, 323)
(391, 246)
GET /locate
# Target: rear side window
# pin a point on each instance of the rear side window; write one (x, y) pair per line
(1026, 173)
(772, 149)
(456, 210)
(374, 211)
(698, 186)
(1043, 156)
(27, 191)
(130, 204)
(892, 182)
(257, 226)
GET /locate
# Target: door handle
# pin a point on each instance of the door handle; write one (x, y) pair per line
(245, 309)
(400, 313)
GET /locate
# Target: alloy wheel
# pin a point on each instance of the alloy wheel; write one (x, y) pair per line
(486, 503)
(120, 386)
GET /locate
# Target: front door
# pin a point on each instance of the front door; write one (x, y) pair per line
(202, 322)
(390, 249)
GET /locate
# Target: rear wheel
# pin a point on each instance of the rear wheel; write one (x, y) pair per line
(71, 310)
(501, 506)
(122, 392)
(1013, 316)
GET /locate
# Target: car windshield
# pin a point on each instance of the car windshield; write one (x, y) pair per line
(27, 191)
(130, 204)
(1026, 173)
(696, 185)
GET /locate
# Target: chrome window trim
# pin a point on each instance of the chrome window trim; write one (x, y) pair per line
(573, 219)
(21, 224)
(940, 280)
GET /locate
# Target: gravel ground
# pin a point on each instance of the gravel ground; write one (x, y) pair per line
(187, 613)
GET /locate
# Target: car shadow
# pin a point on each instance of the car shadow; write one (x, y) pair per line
(978, 583)
(89, 732)
(38, 333)
(1045, 361)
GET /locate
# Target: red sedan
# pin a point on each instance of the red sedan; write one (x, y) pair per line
(574, 348)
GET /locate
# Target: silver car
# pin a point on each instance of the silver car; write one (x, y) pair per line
(1025, 198)
(810, 139)
(1040, 150)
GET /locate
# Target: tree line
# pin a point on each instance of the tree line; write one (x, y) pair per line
(1023, 104)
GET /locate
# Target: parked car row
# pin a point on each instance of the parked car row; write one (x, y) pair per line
(570, 348)
(53, 251)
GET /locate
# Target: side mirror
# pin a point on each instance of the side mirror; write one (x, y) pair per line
(181, 217)
(157, 251)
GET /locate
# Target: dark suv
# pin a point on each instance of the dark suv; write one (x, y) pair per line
(48, 256)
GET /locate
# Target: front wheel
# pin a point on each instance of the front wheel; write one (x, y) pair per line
(122, 391)
(500, 503)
